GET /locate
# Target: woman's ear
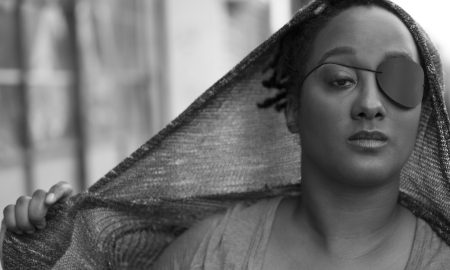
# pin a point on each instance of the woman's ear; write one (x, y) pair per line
(291, 114)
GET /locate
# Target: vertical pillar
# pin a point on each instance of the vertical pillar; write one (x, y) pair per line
(24, 125)
(69, 8)
(158, 65)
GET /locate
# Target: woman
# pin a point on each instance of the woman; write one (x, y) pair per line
(362, 91)
(356, 136)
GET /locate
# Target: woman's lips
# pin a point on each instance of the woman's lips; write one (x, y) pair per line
(368, 140)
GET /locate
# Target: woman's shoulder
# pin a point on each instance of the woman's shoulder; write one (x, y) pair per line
(429, 251)
(224, 238)
(241, 215)
(235, 223)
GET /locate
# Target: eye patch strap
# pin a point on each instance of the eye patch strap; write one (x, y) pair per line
(339, 64)
(399, 78)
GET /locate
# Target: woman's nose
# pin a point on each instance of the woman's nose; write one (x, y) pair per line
(369, 103)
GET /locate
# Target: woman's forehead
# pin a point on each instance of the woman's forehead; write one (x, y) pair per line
(365, 34)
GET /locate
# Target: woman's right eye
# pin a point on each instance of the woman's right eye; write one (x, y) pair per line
(342, 82)
(338, 77)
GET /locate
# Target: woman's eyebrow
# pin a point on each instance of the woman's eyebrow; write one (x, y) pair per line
(398, 54)
(337, 51)
(347, 50)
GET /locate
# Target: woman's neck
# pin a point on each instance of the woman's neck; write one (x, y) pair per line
(348, 221)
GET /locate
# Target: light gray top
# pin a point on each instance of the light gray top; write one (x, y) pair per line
(238, 239)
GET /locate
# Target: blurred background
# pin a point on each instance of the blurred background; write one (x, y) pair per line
(83, 83)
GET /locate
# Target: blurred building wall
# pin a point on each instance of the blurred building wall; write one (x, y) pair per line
(207, 38)
(77, 89)
(85, 82)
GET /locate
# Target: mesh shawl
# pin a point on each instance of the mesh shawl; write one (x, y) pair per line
(221, 150)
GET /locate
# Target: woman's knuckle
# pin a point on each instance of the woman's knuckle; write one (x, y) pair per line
(22, 200)
(56, 187)
(8, 210)
(62, 184)
(39, 193)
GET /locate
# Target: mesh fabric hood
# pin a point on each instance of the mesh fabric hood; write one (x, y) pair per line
(221, 150)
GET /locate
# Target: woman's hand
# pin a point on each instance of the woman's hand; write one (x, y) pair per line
(28, 214)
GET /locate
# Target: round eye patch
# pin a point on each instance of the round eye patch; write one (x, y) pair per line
(402, 80)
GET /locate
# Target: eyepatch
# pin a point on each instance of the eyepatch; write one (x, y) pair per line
(399, 78)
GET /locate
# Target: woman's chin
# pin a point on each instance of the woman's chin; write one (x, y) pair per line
(370, 173)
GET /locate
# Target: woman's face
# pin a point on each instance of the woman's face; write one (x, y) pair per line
(349, 129)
